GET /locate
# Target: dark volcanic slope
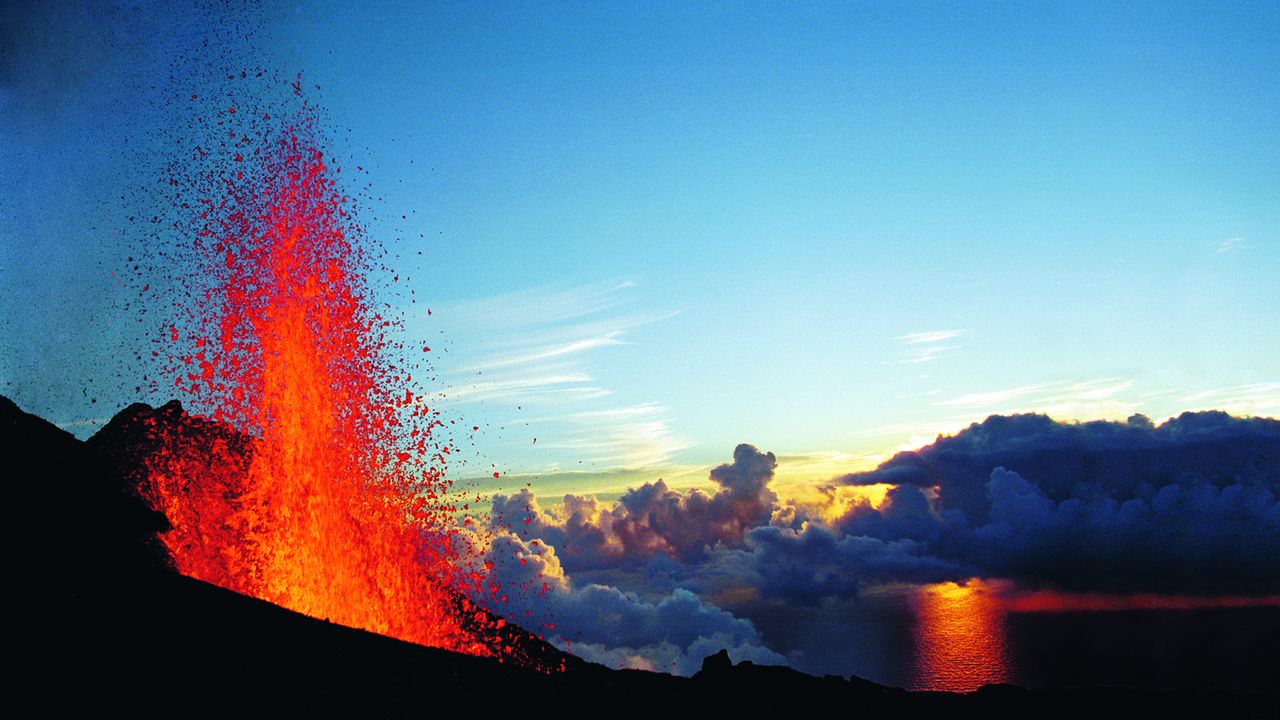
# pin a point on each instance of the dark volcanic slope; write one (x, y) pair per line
(140, 430)
(104, 626)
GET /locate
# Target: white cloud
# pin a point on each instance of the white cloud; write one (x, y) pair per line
(926, 346)
(1229, 245)
(1088, 399)
(926, 354)
(547, 352)
(547, 305)
(528, 389)
(1083, 400)
(930, 336)
(633, 436)
(1112, 398)
(994, 397)
(1252, 399)
(535, 347)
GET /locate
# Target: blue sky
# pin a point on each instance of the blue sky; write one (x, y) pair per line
(651, 232)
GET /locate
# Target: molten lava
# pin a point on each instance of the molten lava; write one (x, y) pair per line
(326, 492)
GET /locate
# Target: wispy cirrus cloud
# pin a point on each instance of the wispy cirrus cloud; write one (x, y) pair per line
(1061, 400)
(927, 345)
(532, 345)
(549, 352)
(1098, 398)
(1252, 399)
(571, 386)
(630, 436)
(540, 306)
(992, 398)
(1112, 398)
(536, 349)
(930, 336)
(1229, 245)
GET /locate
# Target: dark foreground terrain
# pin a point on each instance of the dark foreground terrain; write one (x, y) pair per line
(102, 626)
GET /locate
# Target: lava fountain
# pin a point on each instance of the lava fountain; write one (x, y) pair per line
(322, 486)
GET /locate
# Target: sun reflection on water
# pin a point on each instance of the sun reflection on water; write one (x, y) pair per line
(960, 643)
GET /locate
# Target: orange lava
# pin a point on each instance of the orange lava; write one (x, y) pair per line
(326, 492)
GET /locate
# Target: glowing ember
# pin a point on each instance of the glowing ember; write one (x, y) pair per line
(330, 499)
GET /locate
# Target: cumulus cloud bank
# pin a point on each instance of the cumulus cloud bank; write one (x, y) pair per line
(1185, 507)
(652, 519)
(1189, 506)
(671, 632)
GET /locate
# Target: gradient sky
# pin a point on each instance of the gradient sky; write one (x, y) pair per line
(651, 232)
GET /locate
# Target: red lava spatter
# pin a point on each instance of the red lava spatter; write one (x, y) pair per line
(334, 503)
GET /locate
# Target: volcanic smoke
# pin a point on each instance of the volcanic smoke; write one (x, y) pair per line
(321, 487)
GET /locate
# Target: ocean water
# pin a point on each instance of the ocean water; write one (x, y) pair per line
(957, 639)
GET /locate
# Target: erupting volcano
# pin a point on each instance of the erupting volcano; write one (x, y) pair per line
(320, 485)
